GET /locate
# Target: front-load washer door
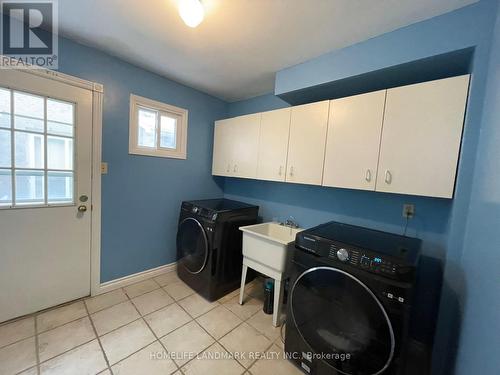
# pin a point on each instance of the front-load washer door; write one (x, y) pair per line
(192, 245)
(342, 321)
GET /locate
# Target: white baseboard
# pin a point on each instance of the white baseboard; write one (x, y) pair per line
(108, 286)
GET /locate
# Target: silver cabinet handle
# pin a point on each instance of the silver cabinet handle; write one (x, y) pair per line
(291, 171)
(388, 176)
(368, 175)
(281, 170)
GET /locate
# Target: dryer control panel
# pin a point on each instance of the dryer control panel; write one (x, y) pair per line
(357, 257)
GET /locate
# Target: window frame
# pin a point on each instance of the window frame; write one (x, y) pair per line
(180, 152)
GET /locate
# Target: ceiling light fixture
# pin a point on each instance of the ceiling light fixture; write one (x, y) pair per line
(191, 12)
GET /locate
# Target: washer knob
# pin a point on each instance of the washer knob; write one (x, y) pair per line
(343, 255)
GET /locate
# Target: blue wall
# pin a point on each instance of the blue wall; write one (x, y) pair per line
(313, 205)
(257, 104)
(141, 195)
(449, 32)
(480, 336)
(439, 223)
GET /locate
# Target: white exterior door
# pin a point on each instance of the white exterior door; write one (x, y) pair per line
(45, 188)
(273, 145)
(353, 141)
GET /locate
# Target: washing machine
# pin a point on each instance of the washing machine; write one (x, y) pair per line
(351, 299)
(209, 255)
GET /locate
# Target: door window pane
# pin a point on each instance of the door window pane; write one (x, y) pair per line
(147, 128)
(28, 123)
(60, 187)
(29, 150)
(58, 111)
(4, 101)
(57, 128)
(59, 153)
(168, 128)
(4, 120)
(5, 150)
(4, 108)
(28, 105)
(29, 187)
(5, 187)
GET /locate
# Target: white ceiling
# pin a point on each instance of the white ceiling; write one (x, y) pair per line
(237, 49)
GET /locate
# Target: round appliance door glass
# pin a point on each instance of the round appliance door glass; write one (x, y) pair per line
(192, 245)
(342, 321)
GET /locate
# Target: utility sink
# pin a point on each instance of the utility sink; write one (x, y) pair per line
(269, 245)
(267, 248)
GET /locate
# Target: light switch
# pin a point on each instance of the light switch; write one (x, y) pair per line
(104, 168)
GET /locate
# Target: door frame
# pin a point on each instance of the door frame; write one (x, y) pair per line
(97, 90)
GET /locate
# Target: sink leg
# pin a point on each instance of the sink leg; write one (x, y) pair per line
(278, 302)
(243, 281)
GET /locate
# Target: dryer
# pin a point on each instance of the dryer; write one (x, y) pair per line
(209, 255)
(350, 301)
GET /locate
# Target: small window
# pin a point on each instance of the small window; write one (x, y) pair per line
(157, 129)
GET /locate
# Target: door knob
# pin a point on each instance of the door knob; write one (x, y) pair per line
(82, 208)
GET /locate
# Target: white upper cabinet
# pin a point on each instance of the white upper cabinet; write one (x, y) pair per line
(403, 140)
(236, 146)
(306, 147)
(221, 162)
(273, 145)
(353, 141)
(245, 145)
(421, 137)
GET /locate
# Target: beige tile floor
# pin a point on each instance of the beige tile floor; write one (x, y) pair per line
(158, 326)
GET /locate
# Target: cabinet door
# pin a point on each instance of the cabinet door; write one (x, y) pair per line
(245, 145)
(353, 141)
(421, 137)
(273, 145)
(221, 161)
(306, 148)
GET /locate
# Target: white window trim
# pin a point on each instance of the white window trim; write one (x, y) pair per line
(182, 127)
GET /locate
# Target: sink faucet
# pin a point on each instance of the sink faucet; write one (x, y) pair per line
(290, 222)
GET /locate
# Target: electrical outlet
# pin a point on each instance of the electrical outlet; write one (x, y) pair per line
(104, 168)
(408, 210)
